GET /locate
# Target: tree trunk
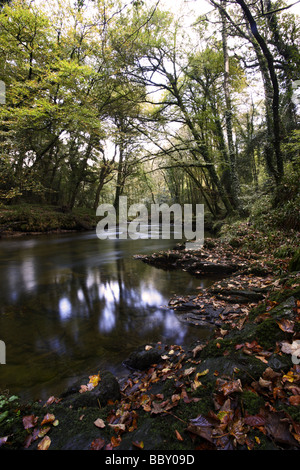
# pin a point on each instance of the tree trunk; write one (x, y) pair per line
(234, 182)
(275, 88)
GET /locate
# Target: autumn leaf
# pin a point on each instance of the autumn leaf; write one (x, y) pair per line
(44, 444)
(255, 421)
(98, 444)
(231, 387)
(99, 423)
(94, 380)
(48, 418)
(3, 440)
(294, 400)
(29, 421)
(118, 427)
(178, 436)
(189, 371)
(115, 441)
(200, 374)
(139, 445)
(286, 325)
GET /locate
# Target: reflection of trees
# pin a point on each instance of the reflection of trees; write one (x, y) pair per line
(70, 314)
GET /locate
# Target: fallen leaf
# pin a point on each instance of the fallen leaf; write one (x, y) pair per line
(286, 325)
(231, 387)
(115, 441)
(99, 423)
(178, 435)
(264, 383)
(44, 444)
(29, 421)
(255, 421)
(43, 431)
(118, 427)
(189, 371)
(94, 380)
(48, 418)
(3, 440)
(204, 372)
(139, 445)
(294, 400)
(291, 348)
(98, 444)
(197, 349)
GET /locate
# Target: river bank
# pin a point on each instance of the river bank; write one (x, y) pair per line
(34, 219)
(240, 389)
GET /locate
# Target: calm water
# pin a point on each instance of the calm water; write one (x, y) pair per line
(72, 304)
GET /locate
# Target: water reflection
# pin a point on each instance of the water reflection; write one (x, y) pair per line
(72, 303)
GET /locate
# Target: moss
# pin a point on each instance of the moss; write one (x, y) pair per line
(292, 411)
(43, 218)
(217, 348)
(251, 402)
(268, 333)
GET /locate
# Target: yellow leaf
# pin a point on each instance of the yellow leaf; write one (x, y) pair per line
(44, 444)
(199, 374)
(94, 379)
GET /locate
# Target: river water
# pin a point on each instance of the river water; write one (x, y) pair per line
(72, 304)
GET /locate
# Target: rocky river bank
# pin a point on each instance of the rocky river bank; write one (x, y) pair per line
(238, 390)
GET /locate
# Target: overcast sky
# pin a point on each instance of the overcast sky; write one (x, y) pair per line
(202, 6)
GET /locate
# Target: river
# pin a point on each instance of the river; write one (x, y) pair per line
(72, 304)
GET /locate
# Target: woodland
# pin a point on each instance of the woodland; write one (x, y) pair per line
(104, 99)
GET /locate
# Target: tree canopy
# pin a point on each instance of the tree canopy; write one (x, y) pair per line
(106, 98)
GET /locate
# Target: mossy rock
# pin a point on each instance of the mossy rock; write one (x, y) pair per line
(107, 389)
(144, 357)
(295, 262)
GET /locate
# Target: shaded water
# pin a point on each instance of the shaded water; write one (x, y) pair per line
(72, 304)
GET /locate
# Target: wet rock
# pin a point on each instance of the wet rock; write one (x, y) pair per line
(236, 295)
(194, 263)
(295, 262)
(144, 357)
(107, 389)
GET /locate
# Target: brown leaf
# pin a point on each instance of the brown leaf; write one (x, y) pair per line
(29, 421)
(189, 371)
(286, 325)
(98, 444)
(294, 400)
(48, 418)
(99, 423)
(115, 441)
(159, 407)
(201, 427)
(178, 435)
(278, 428)
(231, 387)
(255, 421)
(197, 349)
